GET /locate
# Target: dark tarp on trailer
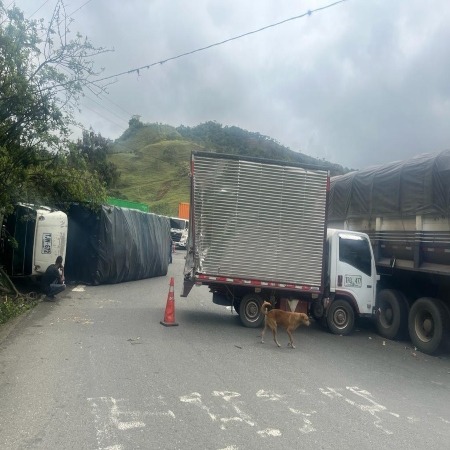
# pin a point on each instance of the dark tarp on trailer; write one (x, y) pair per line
(114, 245)
(420, 185)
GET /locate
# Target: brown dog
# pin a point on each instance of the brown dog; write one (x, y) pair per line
(289, 320)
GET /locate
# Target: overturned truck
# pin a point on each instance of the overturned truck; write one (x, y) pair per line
(114, 245)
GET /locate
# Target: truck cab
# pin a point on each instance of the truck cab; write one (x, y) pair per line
(352, 277)
(179, 231)
(41, 235)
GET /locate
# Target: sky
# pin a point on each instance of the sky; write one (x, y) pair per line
(357, 82)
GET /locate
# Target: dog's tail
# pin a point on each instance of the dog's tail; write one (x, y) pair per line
(264, 307)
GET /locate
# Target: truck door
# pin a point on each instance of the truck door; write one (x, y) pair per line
(355, 271)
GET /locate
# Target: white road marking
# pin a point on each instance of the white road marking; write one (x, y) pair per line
(231, 397)
(412, 419)
(307, 424)
(269, 432)
(109, 423)
(196, 399)
(372, 408)
(109, 417)
(269, 395)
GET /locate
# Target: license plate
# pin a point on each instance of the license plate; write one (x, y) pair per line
(46, 243)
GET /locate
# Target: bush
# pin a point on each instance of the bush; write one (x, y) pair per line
(13, 307)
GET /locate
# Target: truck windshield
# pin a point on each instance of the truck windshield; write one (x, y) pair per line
(355, 251)
(178, 223)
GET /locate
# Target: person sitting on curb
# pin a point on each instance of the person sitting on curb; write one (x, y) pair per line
(53, 279)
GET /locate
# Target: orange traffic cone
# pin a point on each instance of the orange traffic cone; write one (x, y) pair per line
(169, 314)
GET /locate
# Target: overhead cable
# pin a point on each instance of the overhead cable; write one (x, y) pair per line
(148, 66)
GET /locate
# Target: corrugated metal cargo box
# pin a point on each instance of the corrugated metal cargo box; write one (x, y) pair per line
(258, 220)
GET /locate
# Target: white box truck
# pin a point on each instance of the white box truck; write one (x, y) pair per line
(258, 231)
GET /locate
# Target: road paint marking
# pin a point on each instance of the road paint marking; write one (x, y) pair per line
(196, 399)
(230, 397)
(109, 417)
(269, 432)
(412, 419)
(307, 424)
(169, 413)
(373, 408)
(107, 423)
(269, 395)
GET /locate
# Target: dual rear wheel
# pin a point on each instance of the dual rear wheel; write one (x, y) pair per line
(427, 321)
(428, 324)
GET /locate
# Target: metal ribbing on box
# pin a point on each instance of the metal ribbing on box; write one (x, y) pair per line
(259, 220)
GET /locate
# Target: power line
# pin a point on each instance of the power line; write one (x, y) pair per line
(82, 6)
(43, 4)
(148, 66)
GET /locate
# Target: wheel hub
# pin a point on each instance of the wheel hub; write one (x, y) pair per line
(425, 327)
(340, 317)
(428, 326)
(388, 314)
(252, 310)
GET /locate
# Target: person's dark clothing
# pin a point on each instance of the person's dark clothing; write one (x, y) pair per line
(51, 281)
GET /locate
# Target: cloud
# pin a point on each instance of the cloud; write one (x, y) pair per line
(359, 83)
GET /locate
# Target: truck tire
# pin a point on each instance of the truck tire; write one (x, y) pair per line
(392, 314)
(427, 323)
(340, 317)
(250, 311)
(317, 311)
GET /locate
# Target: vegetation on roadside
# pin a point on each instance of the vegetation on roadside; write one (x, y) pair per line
(12, 302)
(44, 69)
(14, 307)
(43, 72)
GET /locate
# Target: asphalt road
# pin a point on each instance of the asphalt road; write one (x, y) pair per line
(97, 370)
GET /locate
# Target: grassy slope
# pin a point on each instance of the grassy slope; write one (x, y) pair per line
(154, 160)
(154, 170)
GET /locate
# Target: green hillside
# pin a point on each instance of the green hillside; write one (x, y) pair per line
(153, 159)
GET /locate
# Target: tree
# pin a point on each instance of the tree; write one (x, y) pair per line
(94, 148)
(43, 73)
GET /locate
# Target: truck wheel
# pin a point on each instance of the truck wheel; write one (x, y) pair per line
(250, 311)
(392, 314)
(427, 324)
(317, 311)
(340, 317)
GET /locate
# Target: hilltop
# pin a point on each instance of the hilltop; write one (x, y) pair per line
(153, 159)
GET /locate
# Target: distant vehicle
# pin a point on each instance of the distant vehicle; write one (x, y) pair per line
(183, 210)
(179, 231)
(41, 235)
